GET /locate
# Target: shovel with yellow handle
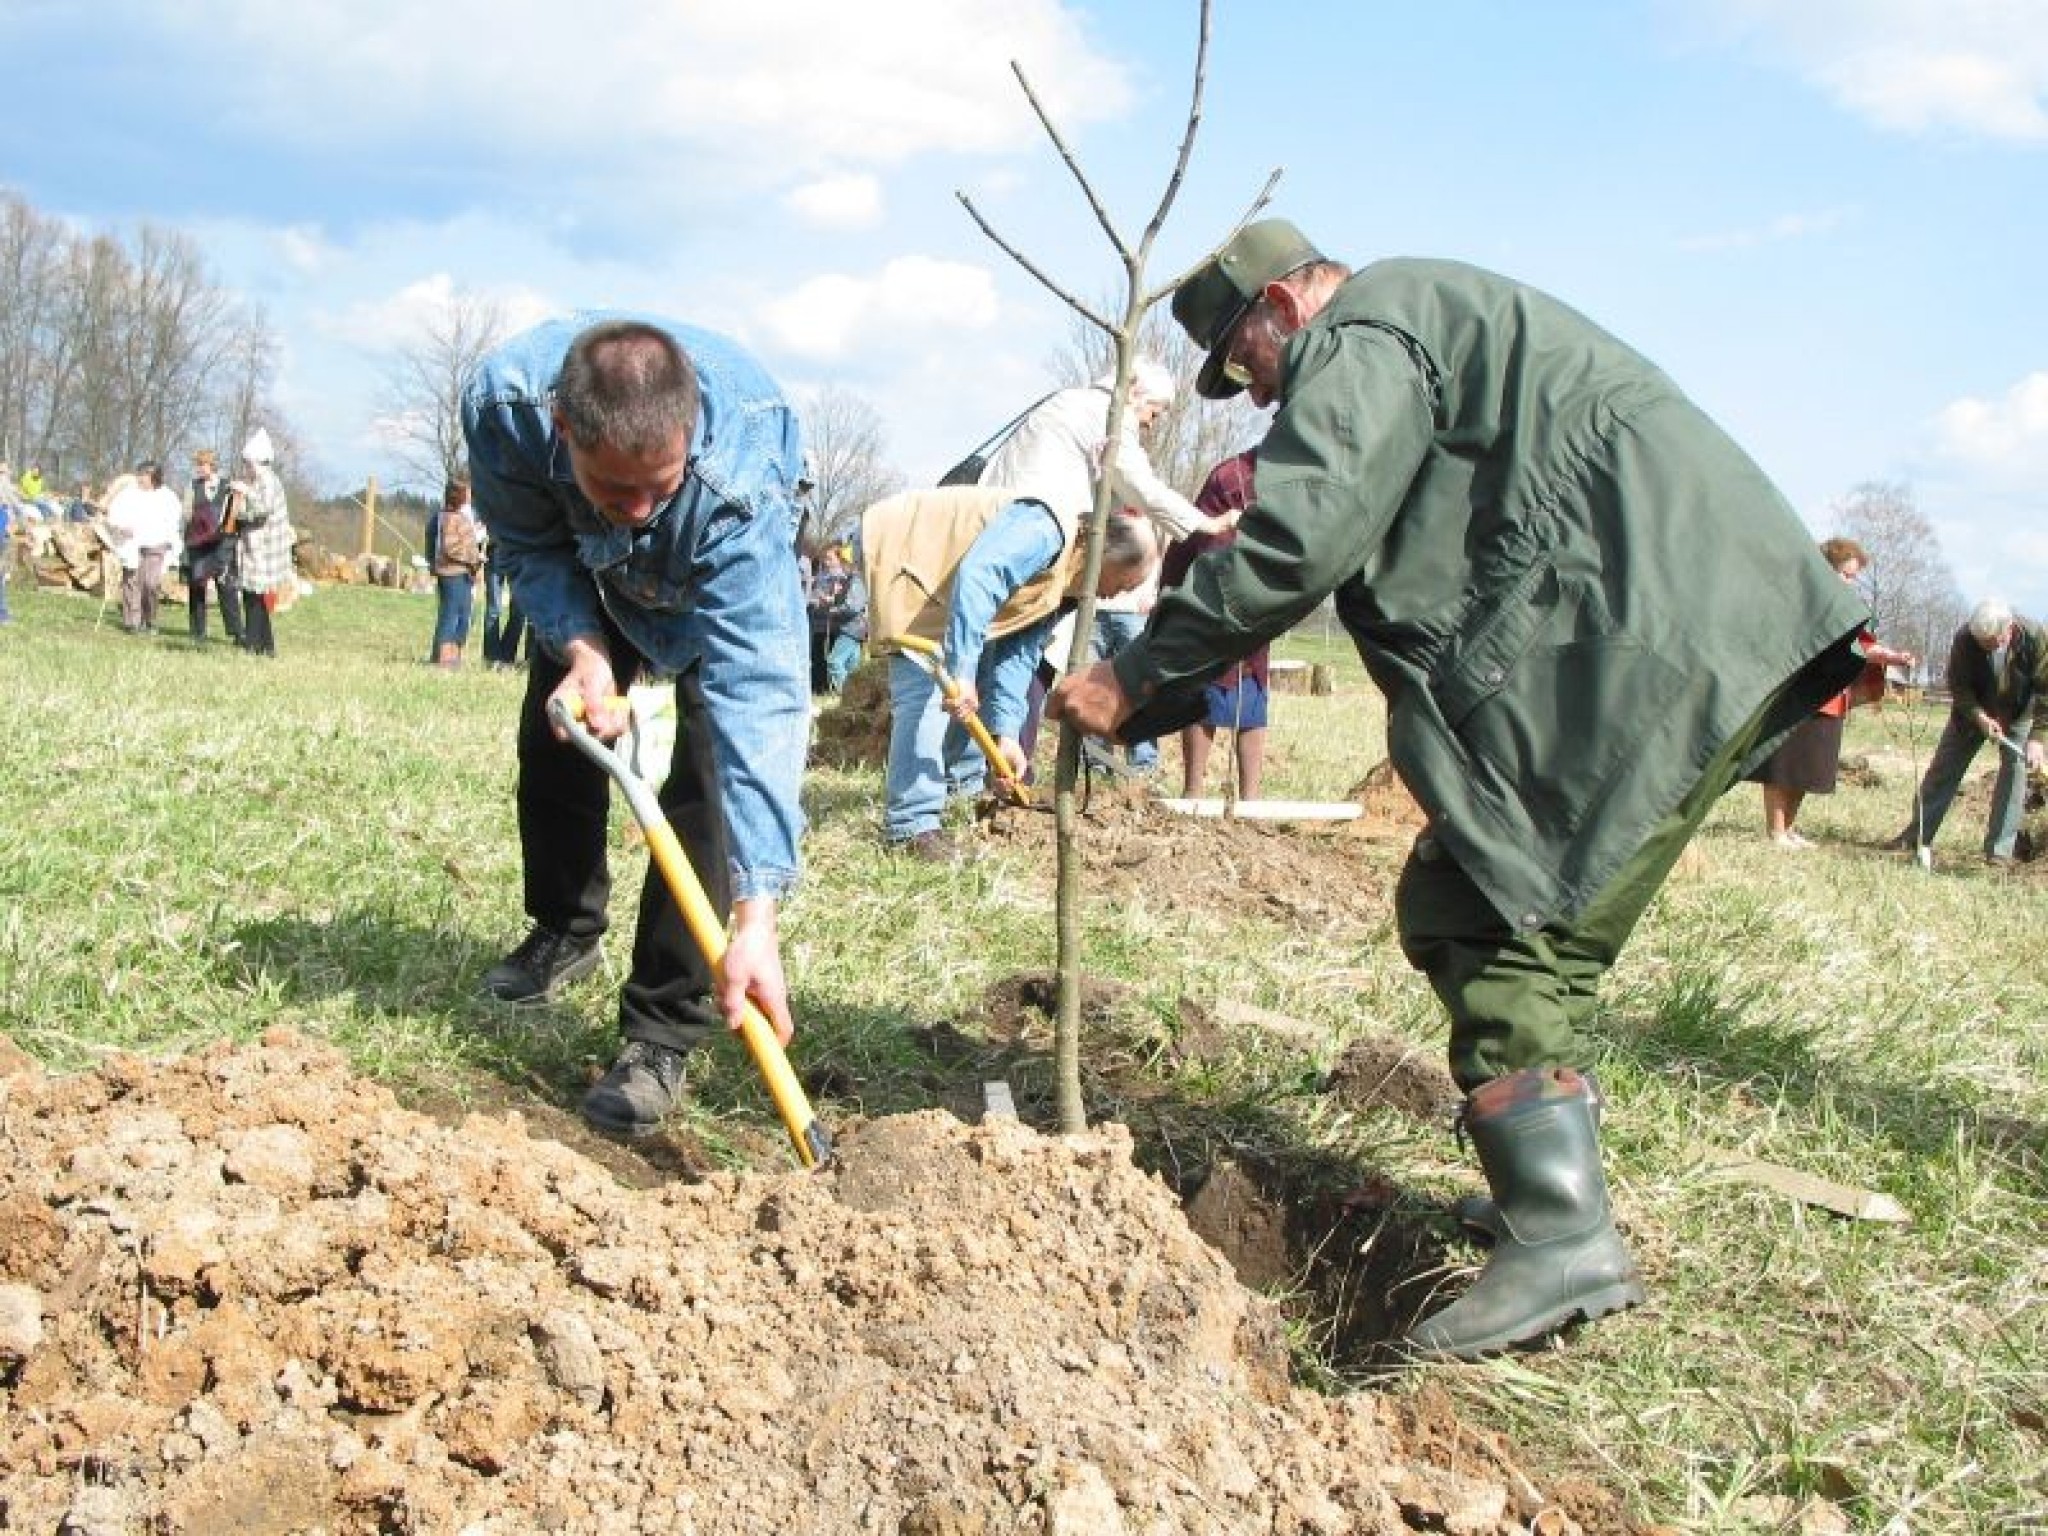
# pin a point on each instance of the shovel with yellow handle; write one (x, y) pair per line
(926, 653)
(813, 1145)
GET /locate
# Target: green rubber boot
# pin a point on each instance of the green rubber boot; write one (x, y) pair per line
(1556, 1256)
(1476, 1213)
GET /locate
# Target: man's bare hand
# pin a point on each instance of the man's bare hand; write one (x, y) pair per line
(592, 684)
(964, 703)
(1093, 701)
(753, 968)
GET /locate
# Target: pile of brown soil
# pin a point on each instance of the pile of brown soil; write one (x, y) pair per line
(1315, 876)
(246, 1291)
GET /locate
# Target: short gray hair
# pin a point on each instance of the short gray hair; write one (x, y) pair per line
(1990, 619)
(627, 385)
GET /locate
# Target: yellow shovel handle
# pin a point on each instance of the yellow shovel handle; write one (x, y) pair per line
(949, 689)
(813, 1145)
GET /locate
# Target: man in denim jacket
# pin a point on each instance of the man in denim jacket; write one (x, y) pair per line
(637, 479)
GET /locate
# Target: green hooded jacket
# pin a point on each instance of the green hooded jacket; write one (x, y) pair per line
(1572, 587)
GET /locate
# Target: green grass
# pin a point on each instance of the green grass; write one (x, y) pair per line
(196, 845)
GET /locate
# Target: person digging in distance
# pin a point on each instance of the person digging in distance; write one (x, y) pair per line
(984, 573)
(636, 477)
(1998, 692)
(1536, 541)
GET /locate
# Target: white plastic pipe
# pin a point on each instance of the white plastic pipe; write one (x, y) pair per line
(1268, 810)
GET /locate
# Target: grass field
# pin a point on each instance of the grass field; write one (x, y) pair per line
(197, 845)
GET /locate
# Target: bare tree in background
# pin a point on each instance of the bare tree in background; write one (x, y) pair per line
(423, 385)
(848, 447)
(1913, 594)
(112, 350)
(1123, 333)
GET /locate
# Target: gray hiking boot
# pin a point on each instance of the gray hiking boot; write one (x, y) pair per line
(633, 1098)
(543, 964)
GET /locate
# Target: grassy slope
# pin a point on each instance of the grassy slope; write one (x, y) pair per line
(193, 845)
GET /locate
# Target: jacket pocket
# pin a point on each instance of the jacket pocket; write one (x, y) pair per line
(1482, 660)
(1552, 722)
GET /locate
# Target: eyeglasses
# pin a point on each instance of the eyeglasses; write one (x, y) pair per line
(1233, 368)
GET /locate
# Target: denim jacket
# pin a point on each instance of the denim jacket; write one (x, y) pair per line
(710, 583)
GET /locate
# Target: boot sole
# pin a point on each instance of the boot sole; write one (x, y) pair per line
(1602, 1303)
(627, 1130)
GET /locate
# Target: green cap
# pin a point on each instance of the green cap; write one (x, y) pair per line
(1209, 304)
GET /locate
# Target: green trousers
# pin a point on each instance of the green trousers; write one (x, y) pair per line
(1520, 1000)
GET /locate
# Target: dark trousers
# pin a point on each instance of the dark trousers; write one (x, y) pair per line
(564, 814)
(504, 624)
(1519, 1000)
(257, 635)
(214, 567)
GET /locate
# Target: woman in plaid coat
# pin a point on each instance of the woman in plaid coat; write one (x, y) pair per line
(264, 525)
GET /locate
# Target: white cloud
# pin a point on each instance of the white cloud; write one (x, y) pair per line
(760, 92)
(838, 202)
(1789, 226)
(305, 249)
(1976, 67)
(827, 316)
(400, 318)
(2004, 439)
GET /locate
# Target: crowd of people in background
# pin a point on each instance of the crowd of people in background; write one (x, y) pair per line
(232, 539)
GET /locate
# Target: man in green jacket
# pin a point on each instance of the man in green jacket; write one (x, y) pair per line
(1589, 612)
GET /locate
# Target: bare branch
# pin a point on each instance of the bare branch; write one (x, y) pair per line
(1080, 177)
(1031, 266)
(1265, 196)
(1187, 138)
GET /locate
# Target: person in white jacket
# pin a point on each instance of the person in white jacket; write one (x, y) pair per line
(1055, 455)
(144, 520)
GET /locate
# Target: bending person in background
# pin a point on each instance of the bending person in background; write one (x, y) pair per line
(1236, 701)
(983, 574)
(1998, 692)
(1055, 456)
(263, 532)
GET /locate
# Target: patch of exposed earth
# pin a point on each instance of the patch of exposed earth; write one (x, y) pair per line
(246, 1291)
(1319, 875)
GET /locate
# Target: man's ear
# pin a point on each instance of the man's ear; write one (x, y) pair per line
(1286, 304)
(561, 422)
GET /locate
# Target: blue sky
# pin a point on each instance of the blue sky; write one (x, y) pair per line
(1828, 219)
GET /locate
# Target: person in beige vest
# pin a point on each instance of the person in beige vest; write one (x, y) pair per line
(984, 574)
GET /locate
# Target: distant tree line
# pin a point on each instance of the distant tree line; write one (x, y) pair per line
(117, 348)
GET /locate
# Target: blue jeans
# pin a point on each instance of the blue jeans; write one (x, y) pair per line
(840, 660)
(930, 755)
(451, 618)
(1953, 755)
(1114, 631)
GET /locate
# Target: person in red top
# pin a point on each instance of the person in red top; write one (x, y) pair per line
(1806, 761)
(1236, 701)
